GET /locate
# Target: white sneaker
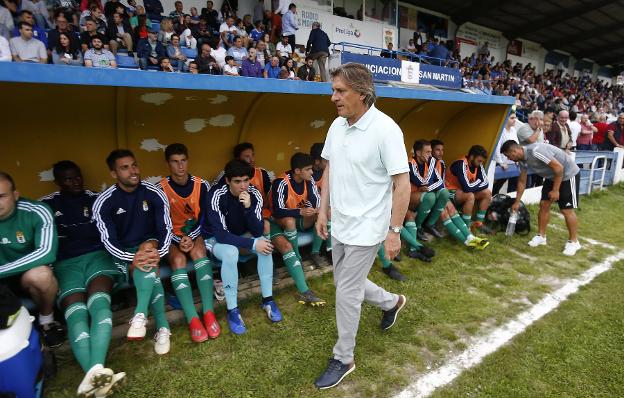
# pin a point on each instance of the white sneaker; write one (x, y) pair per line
(538, 240)
(137, 328)
(115, 384)
(162, 344)
(98, 376)
(571, 248)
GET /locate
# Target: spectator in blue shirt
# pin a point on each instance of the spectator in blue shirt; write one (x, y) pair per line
(290, 24)
(251, 65)
(257, 33)
(238, 52)
(272, 70)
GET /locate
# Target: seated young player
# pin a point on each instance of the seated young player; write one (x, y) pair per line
(468, 184)
(317, 175)
(295, 201)
(134, 223)
(186, 193)
(86, 274)
(28, 247)
(233, 225)
(453, 223)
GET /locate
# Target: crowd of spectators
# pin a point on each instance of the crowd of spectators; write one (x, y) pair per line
(93, 34)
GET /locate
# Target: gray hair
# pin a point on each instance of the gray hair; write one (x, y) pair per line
(316, 24)
(359, 78)
(537, 114)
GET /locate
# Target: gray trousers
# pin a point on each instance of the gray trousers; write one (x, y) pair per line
(351, 267)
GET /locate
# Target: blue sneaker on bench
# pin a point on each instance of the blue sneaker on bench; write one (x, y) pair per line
(272, 311)
(235, 321)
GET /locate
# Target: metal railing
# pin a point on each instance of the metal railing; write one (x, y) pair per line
(377, 51)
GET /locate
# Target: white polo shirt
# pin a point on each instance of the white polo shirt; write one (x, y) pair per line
(363, 157)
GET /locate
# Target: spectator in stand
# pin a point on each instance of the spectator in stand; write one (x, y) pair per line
(218, 53)
(318, 48)
(306, 72)
(560, 133)
(211, 15)
(389, 53)
(227, 32)
(165, 65)
(262, 53)
(230, 69)
(177, 15)
(94, 13)
(509, 133)
(272, 70)
(247, 23)
(6, 23)
(40, 11)
(532, 131)
(38, 32)
(284, 50)
(140, 32)
(186, 37)
(193, 68)
(257, 33)
(601, 132)
(206, 63)
(71, 8)
(227, 11)
(85, 5)
(270, 46)
(5, 50)
(194, 16)
(441, 52)
(411, 47)
(242, 33)
(238, 52)
(176, 57)
(201, 32)
(575, 128)
(25, 48)
(119, 34)
(99, 57)
(615, 135)
(166, 31)
(111, 7)
(150, 51)
(90, 33)
(62, 26)
(290, 25)
(584, 139)
(290, 67)
(67, 51)
(153, 9)
(283, 73)
(251, 65)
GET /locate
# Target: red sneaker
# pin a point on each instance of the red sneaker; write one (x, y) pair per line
(212, 326)
(198, 332)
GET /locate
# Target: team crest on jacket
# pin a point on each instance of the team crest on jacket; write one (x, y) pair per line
(145, 206)
(19, 235)
(85, 211)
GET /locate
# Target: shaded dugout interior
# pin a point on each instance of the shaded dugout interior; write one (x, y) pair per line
(53, 112)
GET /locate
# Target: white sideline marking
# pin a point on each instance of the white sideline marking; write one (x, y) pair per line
(483, 346)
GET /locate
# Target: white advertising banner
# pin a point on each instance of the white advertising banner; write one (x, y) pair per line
(410, 72)
(479, 35)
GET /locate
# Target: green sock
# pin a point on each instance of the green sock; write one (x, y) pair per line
(442, 197)
(99, 305)
(453, 230)
(316, 242)
(481, 215)
(205, 283)
(460, 224)
(292, 238)
(296, 272)
(77, 317)
(407, 237)
(427, 200)
(182, 286)
(328, 243)
(144, 285)
(158, 305)
(467, 219)
(381, 254)
(410, 226)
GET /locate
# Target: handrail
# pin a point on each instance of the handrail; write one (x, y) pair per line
(412, 56)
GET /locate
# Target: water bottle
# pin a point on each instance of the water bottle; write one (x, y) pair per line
(511, 224)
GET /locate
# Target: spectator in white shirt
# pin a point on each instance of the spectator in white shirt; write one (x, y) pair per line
(230, 68)
(575, 128)
(509, 133)
(5, 50)
(284, 49)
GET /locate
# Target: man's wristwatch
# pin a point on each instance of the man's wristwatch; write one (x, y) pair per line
(396, 230)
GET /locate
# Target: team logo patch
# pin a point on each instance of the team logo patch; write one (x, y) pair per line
(85, 211)
(19, 235)
(5, 241)
(120, 211)
(145, 206)
(82, 336)
(58, 213)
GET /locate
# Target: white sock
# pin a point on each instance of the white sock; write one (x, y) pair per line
(46, 319)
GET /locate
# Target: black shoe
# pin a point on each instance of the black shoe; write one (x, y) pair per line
(389, 317)
(130, 54)
(427, 251)
(53, 334)
(432, 230)
(418, 254)
(393, 273)
(318, 260)
(420, 235)
(333, 375)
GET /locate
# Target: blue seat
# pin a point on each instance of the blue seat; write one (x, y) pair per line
(126, 62)
(156, 26)
(189, 52)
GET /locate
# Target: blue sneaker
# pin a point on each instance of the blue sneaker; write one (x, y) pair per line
(235, 321)
(272, 311)
(333, 375)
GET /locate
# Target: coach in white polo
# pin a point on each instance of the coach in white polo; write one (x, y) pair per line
(366, 180)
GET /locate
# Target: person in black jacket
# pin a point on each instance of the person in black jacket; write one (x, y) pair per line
(153, 9)
(150, 50)
(119, 33)
(206, 64)
(306, 71)
(318, 48)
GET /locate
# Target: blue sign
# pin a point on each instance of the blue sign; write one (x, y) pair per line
(387, 69)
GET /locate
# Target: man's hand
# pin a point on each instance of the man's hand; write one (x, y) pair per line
(504, 166)
(146, 257)
(424, 188)
(308, 211)
(153, 60)
(264, 246)
(186, 244)
(321, 225)
(515, 206)
(392, 245)
(245, 199)
(553, 196)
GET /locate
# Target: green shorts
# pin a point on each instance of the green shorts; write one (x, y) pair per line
(74, 274)
(275, 229)
(452, 197)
